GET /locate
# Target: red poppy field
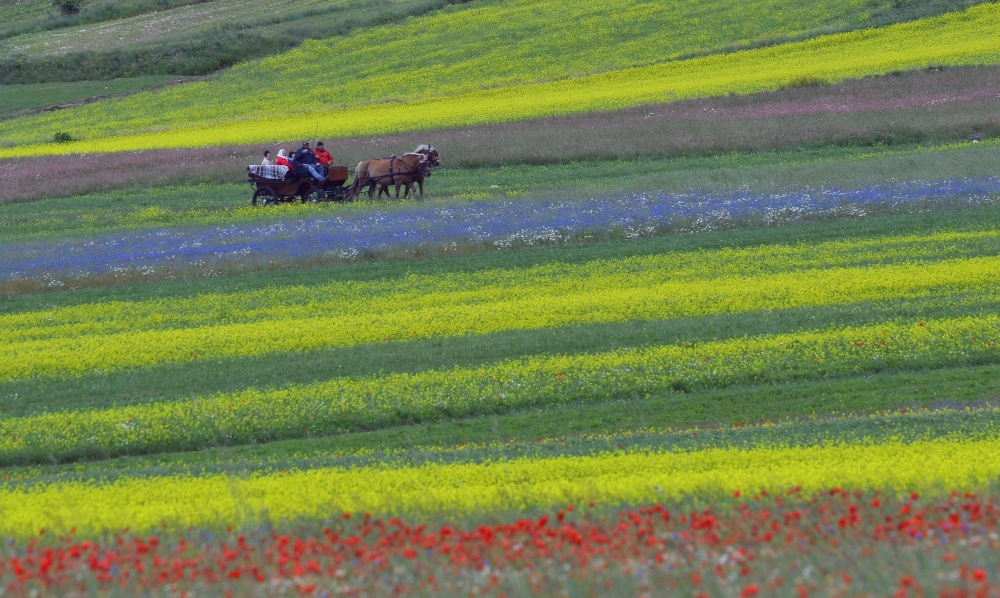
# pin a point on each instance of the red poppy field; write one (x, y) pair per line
(785, 545)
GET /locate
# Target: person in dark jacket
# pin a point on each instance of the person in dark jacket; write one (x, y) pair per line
(307, 158)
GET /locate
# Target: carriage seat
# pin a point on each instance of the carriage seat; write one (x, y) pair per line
(268, 172)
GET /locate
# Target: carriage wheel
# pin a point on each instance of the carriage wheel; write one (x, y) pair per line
(314, 196)
(264, 196)
(340, 193)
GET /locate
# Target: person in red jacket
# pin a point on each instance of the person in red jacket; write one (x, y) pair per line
(323, 157)
(282, 160)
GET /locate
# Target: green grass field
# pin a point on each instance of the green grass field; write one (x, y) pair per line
(17, 100)
(114, 40)
(158, 27)
(38, 15)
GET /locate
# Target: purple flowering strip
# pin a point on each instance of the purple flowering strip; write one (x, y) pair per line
(498, 222)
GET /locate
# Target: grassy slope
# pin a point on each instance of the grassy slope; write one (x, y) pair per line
(17, 100)
(18, 17)
(29, 20)
(951, 39)
(161, 27)
(484, 45)
(195, 39)
(97, 43)
(492, 36)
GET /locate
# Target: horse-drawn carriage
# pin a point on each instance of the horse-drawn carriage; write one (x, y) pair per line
(276, 184)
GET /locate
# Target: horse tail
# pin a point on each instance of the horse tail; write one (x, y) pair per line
(360, 174)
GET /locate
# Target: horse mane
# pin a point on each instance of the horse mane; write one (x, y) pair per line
(423, 147)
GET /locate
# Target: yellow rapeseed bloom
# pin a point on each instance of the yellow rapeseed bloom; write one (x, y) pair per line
(346, 403)
(147, 504)
(112, 335)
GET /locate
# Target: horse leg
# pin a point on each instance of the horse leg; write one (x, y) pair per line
(355, 190)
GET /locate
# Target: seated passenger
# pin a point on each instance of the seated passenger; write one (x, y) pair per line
(307, 158)
(282, 160)
(267, 159)
(323, 157)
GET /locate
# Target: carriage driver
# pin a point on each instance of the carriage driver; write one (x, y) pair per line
(323, 157)
(306, 158)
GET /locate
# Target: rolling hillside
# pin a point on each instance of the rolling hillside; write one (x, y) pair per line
(470, 64)
(114, 39)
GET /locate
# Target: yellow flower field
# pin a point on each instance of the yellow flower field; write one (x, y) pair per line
(377, 401)
(609, 478)
(108, 336)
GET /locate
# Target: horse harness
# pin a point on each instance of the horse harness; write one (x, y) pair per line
(392, 175)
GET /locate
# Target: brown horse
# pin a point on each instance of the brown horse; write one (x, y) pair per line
(383, 173)
(412, 167)
(432, 159)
